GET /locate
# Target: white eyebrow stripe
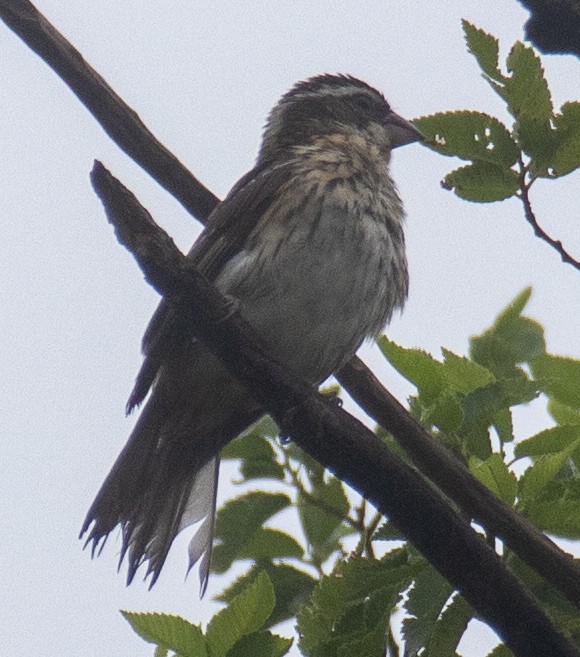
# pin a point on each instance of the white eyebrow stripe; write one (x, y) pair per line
(332, 90)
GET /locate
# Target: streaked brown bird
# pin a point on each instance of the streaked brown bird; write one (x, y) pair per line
(310, 246)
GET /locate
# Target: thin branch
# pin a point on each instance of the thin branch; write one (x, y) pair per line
(524, 196)
(336, 439)
(466, 491)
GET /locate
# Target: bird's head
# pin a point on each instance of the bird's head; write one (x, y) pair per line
(333, 104)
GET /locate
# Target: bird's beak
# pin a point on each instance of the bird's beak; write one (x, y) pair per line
(401, 131)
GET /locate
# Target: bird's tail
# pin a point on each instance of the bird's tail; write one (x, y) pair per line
(154, 491)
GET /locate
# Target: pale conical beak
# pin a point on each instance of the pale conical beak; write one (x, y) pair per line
(401, 131)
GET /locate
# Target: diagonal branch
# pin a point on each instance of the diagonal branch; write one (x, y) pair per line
(119, 120)
(336, 439)
(457, 482)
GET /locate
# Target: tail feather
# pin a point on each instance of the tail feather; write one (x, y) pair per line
(152, 501)
(165, 478)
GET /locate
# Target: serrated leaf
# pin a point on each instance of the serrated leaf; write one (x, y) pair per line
(566, 156)
(482, 182)
(343, 604)
(559, 377)
(169, 632)
(527, 90)
(416, 365)
(258, 458)
(425, 602)
(503, 424)
(469, 135)
(494, 473)
(543, 471)
(562, 413)
(388, 532)
(247, 613)
(239, 520)
(449, 629)
(559, 517)
(292, 588)
(510, 340)
(369, 644)
(464, 374)
(501, 651)
(548, 441)
(269, 543)
(160, 652)
(261, 644)
(485, 48)
(446, 412)
(321, 514)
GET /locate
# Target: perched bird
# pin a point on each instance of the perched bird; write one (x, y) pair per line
(309, 244)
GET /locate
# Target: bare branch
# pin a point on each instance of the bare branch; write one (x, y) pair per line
(336, 439)
(524, 196)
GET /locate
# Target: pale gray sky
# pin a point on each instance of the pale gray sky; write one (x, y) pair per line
(203, 76)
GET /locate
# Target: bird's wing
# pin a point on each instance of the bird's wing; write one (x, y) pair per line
(226, 232)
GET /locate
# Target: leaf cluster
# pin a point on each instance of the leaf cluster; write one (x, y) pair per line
(502, 161)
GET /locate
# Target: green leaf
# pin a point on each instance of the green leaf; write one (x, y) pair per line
(169, 632)
(566, 156)
(416, 365)
(482, 406)
(254, 449)
(247, 613)
(485, 48)
(501, 651)
(292, 588)
(270, 544)
(543, 471)
(558, 517)
(239, 520)
(446, 412)
(562, 413)
(503, 424)
(559, 378)
(493, 472)
(261, 644)
(388, 532)
(160, 652)
(463, 374)
(321, 514)
(548, 441)
(526, 91)
(368, 644)
(449, 629)
(482, 182)
(510, 340)
(425, 602)
(353, 599)
(470, 136)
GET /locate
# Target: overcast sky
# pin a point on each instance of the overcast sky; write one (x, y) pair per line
(203, 76)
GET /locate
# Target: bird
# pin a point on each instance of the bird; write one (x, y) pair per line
(309, 246)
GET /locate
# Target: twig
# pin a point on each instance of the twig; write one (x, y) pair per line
(336, 439)
(524, 196)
